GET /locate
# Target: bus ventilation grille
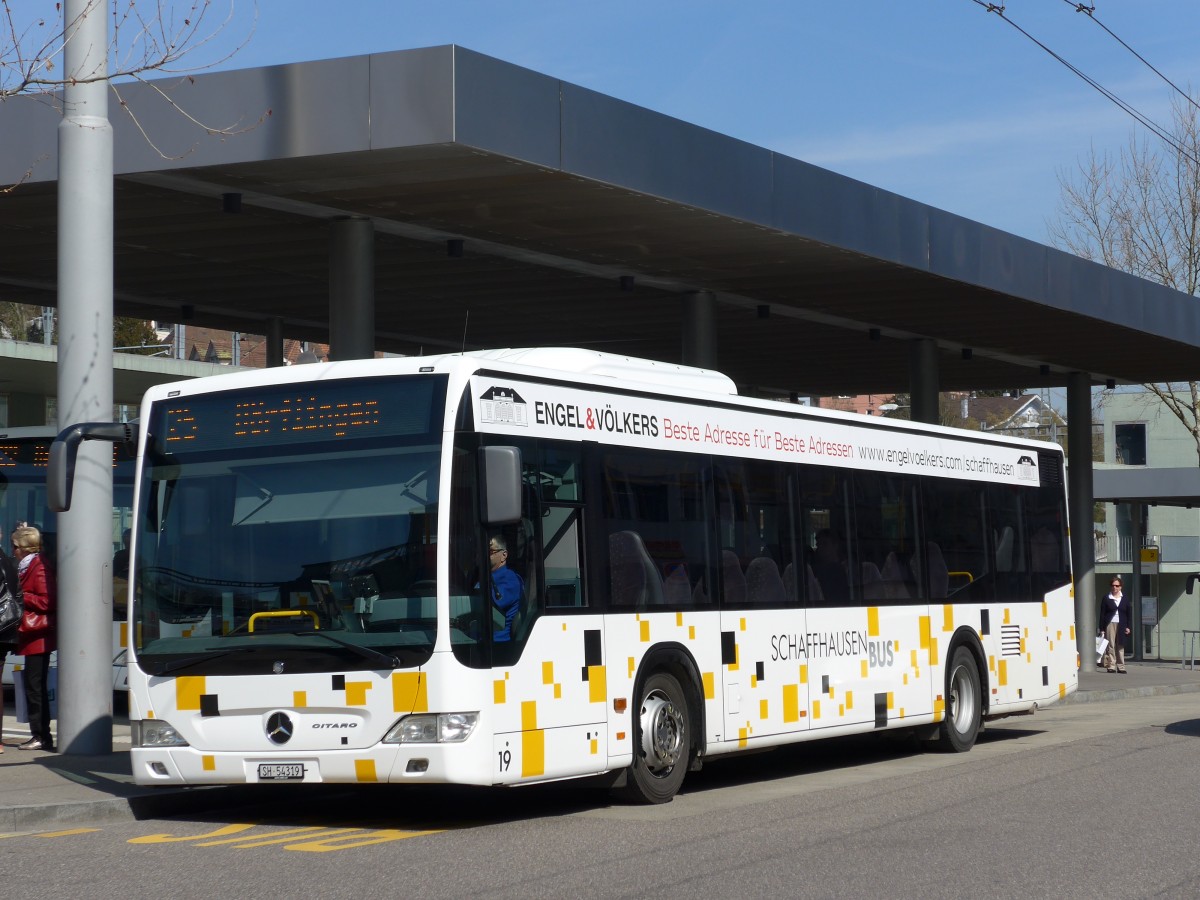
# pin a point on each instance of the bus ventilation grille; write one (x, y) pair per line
(1050, 469)
(1010, 640)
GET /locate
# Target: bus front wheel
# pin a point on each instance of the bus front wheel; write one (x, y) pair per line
(964, 705)
(662, 734)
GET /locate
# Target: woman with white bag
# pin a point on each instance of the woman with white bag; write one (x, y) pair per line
(1114, 625)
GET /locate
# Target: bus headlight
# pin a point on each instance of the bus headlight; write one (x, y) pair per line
(441, 728)
(154, 733)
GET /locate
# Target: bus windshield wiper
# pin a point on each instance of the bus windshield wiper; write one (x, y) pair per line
(391, 662)
(164, 668)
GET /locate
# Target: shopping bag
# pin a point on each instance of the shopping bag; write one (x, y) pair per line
(1101, 646)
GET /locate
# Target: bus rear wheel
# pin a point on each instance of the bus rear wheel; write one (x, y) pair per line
(964, 705)
(662, 736)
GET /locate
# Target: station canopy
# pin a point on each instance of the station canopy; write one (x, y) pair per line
(514, 209)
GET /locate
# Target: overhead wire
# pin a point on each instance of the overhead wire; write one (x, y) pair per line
(1090, 11)
(1161, 133)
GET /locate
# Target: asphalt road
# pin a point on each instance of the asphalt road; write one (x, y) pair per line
(1090, 800)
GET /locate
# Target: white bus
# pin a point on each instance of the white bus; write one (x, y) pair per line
(699, 574)
(24, 456)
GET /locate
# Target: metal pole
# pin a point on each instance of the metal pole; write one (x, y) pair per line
(275, 341)
(1081, 499)
(85, 364)
(924, 381)
(700, 329)
(1135, 587)
(352, 289)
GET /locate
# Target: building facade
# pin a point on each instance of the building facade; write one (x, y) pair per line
(1140, 431)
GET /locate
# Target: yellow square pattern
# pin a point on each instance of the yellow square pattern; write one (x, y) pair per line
(409, 692)
(597, 684)
(188, 690)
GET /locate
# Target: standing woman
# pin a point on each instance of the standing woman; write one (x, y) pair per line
(1114, 625)
(35, 637)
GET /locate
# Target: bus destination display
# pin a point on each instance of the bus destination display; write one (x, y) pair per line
(325, 412)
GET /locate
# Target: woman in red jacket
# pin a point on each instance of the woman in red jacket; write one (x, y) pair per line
(37, 642)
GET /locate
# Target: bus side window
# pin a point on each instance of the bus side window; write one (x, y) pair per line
(885, 524)
(1008, 526)
(561, 493)
(561, 540)
(653, 528)
(825, 539)
(757, 528)
(955, 524)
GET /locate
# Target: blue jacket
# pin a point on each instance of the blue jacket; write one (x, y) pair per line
(507, 591)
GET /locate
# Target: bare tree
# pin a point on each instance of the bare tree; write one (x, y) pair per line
(146, 37)
(1140, 212)
(16, 319)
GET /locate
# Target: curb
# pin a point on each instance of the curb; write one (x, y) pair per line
(1158, 690)
(157, 805)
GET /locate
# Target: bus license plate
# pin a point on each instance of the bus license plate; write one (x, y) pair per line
(281, 772)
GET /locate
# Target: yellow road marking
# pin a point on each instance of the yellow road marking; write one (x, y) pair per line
(171, 839)
(282, 837)
(382, 836)
(50, 834)
(304, 839)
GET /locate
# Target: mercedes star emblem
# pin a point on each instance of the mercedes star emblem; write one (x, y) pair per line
(279, 728)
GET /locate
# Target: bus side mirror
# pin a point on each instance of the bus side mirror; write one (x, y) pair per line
(501, 490)
(60, 475)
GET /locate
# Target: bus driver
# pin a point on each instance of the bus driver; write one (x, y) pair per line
(507, 586)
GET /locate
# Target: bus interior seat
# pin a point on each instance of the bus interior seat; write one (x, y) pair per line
(789, 582)
(732, 579)
(816, 596)
(939, 573)
(527, 566)
(872, 590)
(677, 587)
(633, 578)
(1043, 551)
(763, 582)
(894, 578)
(1004, 550)
(522, 622)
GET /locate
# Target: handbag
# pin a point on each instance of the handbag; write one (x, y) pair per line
(1101, 646)
(10, 609)
(10, 615)
(34, 623)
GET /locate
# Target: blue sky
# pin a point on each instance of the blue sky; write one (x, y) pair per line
(937, 100)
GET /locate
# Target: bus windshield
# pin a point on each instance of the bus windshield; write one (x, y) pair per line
(290, 529)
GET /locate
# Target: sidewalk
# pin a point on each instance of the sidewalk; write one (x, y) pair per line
(44, 790)
(41, 790)
(1145, 679)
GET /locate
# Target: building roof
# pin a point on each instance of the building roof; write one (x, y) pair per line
(562, 198)
(997, 413)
